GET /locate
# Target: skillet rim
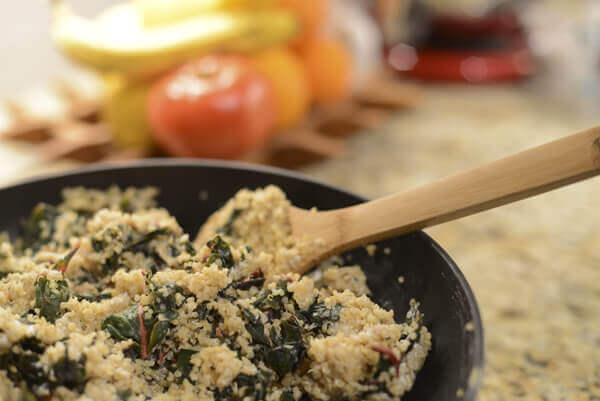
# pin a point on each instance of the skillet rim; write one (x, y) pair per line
(479, 335)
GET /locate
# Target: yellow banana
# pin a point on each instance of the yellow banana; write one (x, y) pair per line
(124, 109)
(117, 41)
(163, 12)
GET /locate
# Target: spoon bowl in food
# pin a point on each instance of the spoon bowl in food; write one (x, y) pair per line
(399, 269)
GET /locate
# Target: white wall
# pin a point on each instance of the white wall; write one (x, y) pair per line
(27, 54)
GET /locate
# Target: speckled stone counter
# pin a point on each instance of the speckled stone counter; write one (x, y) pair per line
(534, 265)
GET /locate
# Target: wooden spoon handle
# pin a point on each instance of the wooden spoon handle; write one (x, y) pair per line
(534, 171)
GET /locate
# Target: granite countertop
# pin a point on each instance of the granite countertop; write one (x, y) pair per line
(534, 265)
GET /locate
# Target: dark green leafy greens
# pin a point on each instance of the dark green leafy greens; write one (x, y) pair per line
(125, 325)
(48, 297)
(288, 348)
(207, 312)
(227, 228)
(165, 300)
(268, 300)
(146, 238)
(138, 243)
(146, 330)
(93, 297)
(124, 394)
(287, 396)
(38, 229)
(69, 373)
(22, 363)
(386, 359)
(256, 279)
(158, 333)
(125, 205)
(318, 314)
(254, 387)
(255, 327)
(219, 249)
(182, 362)
(97, 244)
(279, 344)
(23, 367)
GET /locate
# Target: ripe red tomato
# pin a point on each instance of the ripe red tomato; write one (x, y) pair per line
(218, 106)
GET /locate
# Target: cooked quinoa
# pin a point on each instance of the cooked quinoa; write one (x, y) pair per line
(104, 297)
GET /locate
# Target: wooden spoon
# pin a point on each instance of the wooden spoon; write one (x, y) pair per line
(534, 171)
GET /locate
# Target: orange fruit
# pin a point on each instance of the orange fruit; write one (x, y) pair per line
(311, 14)
(289, 81)
(329, 67)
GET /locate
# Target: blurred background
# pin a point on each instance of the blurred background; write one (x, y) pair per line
(375, 96)
(94, 81)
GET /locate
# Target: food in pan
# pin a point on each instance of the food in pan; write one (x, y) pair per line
(104, 297)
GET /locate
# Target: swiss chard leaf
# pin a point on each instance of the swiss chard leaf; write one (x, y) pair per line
(112, 262)
(254, 280)
(165, 299)
(125, 205)
(123, 326)
(147, 238)
(284, 358)
(288, 348)
(383, 365)
(318, 314)
(287, 396)
(189, 248)
(124, 394)
(266, 300)
(69, 373)
(182, 362)
(210, 314)
(256, 386)
(126, 325)
(227, 228)
(38, 229)
(291, 332)
(22, 363)
(158, 333)
(23, 367)
(255, 327)
(219, 249)
(48, 299)
(97, 244)
(93, 297)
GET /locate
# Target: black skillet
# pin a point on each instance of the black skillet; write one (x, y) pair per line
(192, 190)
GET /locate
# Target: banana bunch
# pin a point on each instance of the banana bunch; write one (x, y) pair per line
(161, 12)
(145, 37)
